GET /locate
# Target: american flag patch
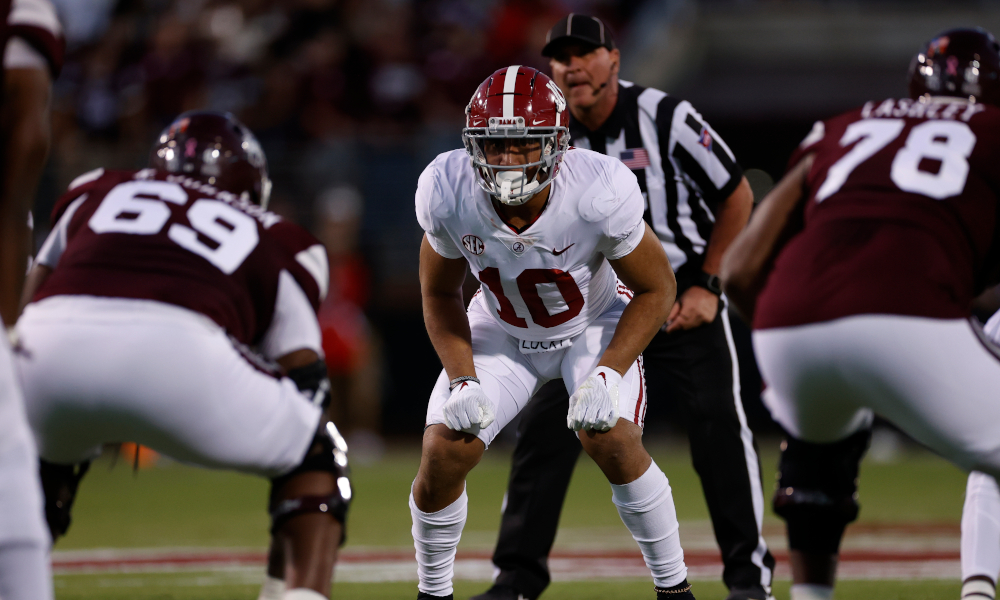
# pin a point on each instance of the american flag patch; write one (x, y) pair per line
(705, 139)
(635, 158)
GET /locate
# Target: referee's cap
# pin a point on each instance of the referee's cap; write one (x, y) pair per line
(580, 28)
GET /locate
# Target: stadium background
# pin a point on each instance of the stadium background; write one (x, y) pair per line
(351, 99)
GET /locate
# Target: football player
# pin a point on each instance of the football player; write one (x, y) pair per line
(858, 271)
(981, 520)
(32, 49)
(145, 297)
(574, 285)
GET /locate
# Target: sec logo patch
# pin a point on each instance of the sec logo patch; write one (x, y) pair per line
(473, 244)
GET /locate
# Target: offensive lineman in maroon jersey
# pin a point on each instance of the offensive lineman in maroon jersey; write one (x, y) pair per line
(142, 297)
(858, 271)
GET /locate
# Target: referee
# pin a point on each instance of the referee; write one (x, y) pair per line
(697, 200)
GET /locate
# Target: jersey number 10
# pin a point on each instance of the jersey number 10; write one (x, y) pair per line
(949, 142)
(219, 233)
(527, 283)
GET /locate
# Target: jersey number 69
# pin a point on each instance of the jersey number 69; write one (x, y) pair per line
(138, 207)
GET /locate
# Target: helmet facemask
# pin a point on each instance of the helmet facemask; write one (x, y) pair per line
(514, 185)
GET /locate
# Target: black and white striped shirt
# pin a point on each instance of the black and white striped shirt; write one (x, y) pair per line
(684, 168)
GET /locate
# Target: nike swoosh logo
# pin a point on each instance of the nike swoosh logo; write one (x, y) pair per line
(604, 378)
(536, 122)
(558, 252)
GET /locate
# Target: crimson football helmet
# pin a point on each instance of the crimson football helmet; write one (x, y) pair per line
(516, 103)
(958, 62)
(216, 148)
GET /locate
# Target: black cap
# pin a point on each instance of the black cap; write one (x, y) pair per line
(580, 28)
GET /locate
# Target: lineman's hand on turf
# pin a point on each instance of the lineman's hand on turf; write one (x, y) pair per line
(595, 403)
(468, 409)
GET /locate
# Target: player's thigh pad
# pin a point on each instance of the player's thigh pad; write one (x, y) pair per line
(582, 357)
(506, 375)
(20, 489)
(936, 379)
(113, 370)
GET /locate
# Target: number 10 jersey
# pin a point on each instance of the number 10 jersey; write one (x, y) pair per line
(552, 279)
(900, 215)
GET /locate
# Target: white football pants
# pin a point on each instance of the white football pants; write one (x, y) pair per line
(936, 379)
(25, 568)
(981, 513)
(510, 378)
(103, 370)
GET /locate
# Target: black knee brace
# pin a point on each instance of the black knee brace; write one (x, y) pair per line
(817, 493)
(313, 381)
(59, 484)
(328, 453)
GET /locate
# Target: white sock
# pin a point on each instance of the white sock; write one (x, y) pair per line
(435, 537)
(25, 572)
(647, 509)
(811, 591)
(303, 594)
(981, 527)
(977, 589)
(272, 589)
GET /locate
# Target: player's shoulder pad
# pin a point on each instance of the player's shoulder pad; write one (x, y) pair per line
(36, 22)
(306, 258)
(605, 183)
(98, 179)
(439, 185)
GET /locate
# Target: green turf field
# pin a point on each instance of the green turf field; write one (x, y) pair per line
(178, 506)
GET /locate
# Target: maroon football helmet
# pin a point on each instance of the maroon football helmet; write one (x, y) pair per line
(216, 148)
(516, 103)
(958, 62)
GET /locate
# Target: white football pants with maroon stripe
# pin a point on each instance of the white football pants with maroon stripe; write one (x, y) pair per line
(102, 370)
(25, 570)
(511, 377)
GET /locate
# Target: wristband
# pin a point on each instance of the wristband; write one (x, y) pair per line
(459, 380)
(709, 282)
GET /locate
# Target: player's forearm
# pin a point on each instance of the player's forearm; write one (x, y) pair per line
(36, 277)
(15, 242)
(448, 328)
(749, 260)
(640, 321)
(730, 219)
(24, 127)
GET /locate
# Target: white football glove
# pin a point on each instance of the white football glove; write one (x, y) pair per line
(468, 409)
(594, 405)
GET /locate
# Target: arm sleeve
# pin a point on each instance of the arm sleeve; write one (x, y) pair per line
(294, 325)
(20, 55)
(703, 156)
(624, 225)
(54, 246)
(37, 23)
(430, 198)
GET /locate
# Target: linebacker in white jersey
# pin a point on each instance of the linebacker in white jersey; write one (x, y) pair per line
(550, 252)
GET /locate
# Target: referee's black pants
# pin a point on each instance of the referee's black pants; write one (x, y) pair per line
(695, 368)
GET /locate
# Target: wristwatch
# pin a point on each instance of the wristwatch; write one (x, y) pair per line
(709, 282)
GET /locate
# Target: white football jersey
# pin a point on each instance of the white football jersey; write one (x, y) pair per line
(553, 279)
